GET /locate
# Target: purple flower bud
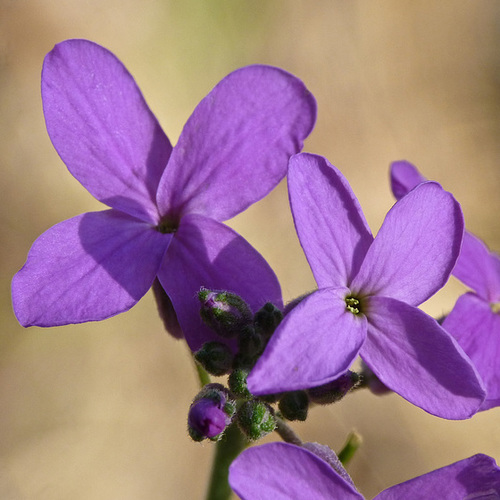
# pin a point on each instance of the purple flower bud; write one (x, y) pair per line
(334, 391)
(210, 413)
(226, 313)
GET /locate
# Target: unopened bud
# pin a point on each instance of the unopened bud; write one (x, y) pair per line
(237, 382)
(210, 413)
(267, 319)
(215, 357)
(334, 391)
(373, 383)
(224, 312)
(256, 419)
(294, 405)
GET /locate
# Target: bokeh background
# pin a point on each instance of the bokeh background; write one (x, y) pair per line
(99, 410)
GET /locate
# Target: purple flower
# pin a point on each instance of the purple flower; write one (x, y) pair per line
(475, 319)
(166, 203)
(368, 290)
(283, 471)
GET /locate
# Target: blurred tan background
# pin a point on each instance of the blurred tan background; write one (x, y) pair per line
(98, 410)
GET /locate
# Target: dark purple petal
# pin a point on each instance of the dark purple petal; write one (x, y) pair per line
(330, 224)
(414, 356)
(416, 248)
(314, 344)
(87, 268)
(235, 146)
(102, 128)
(206, 253)
(283, 471)
(479, 268)
(477, 477)
(404, 177)
(477, 329)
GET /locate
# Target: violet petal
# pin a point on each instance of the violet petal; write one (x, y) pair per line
(477, 477)
(314, 344)
(235, 146)
(87, 268)
(283, 471)
(477, 329)
(416, 248)
(415, 357)
(404, 177)
(330, 223)
(102, 128)
(206, 253)
(478, 268)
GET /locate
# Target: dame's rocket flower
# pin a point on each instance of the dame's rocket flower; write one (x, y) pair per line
(166, 203)
(368, 290)
(283, 471)
(475, 319)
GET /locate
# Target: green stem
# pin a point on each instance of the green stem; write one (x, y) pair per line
(350, 447)
(203, 376)
(227, 449)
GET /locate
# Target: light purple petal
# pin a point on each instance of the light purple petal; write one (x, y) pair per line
(330, 223)
(87, 268)
(477, 329)
(314, 344)
(416, 248)
(235, 146)
(102, 128)
(414, 356)
(474, 478)
(479, 268)
(206, 253)
(404, 177)
(283, 471)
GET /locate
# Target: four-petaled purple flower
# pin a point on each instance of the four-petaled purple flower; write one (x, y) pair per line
(166, 203)
(368, 290)
(283, 471)
(475, 319)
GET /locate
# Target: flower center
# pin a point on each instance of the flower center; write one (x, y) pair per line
(353, 304)
(495, 307)
(168, 224)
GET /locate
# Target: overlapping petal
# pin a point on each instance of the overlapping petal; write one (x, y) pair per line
(235, 146)
(477, 329)
(415, 357)
(206, 253)
(477, 477)
(329, 221)
(314, 344)
(87, 268)
(478, 268)
(404, 177)
(102, 128)
(283, 471)
(416, 248)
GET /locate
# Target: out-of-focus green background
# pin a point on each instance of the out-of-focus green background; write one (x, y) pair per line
(99, 410)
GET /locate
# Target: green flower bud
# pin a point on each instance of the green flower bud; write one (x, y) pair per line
(224, 312)
(215, 357)
(267, 319)
(256, 419)
(237, 382)
(294, 405)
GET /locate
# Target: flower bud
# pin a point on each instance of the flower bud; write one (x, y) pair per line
(256, 419)
(294, 405)
(237, 382)
(215, 357)
(334, 391)
(267, 319)
(330, 457)
(224, 312)
(210, 413)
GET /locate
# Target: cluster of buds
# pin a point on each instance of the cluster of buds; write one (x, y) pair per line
(216, 407)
